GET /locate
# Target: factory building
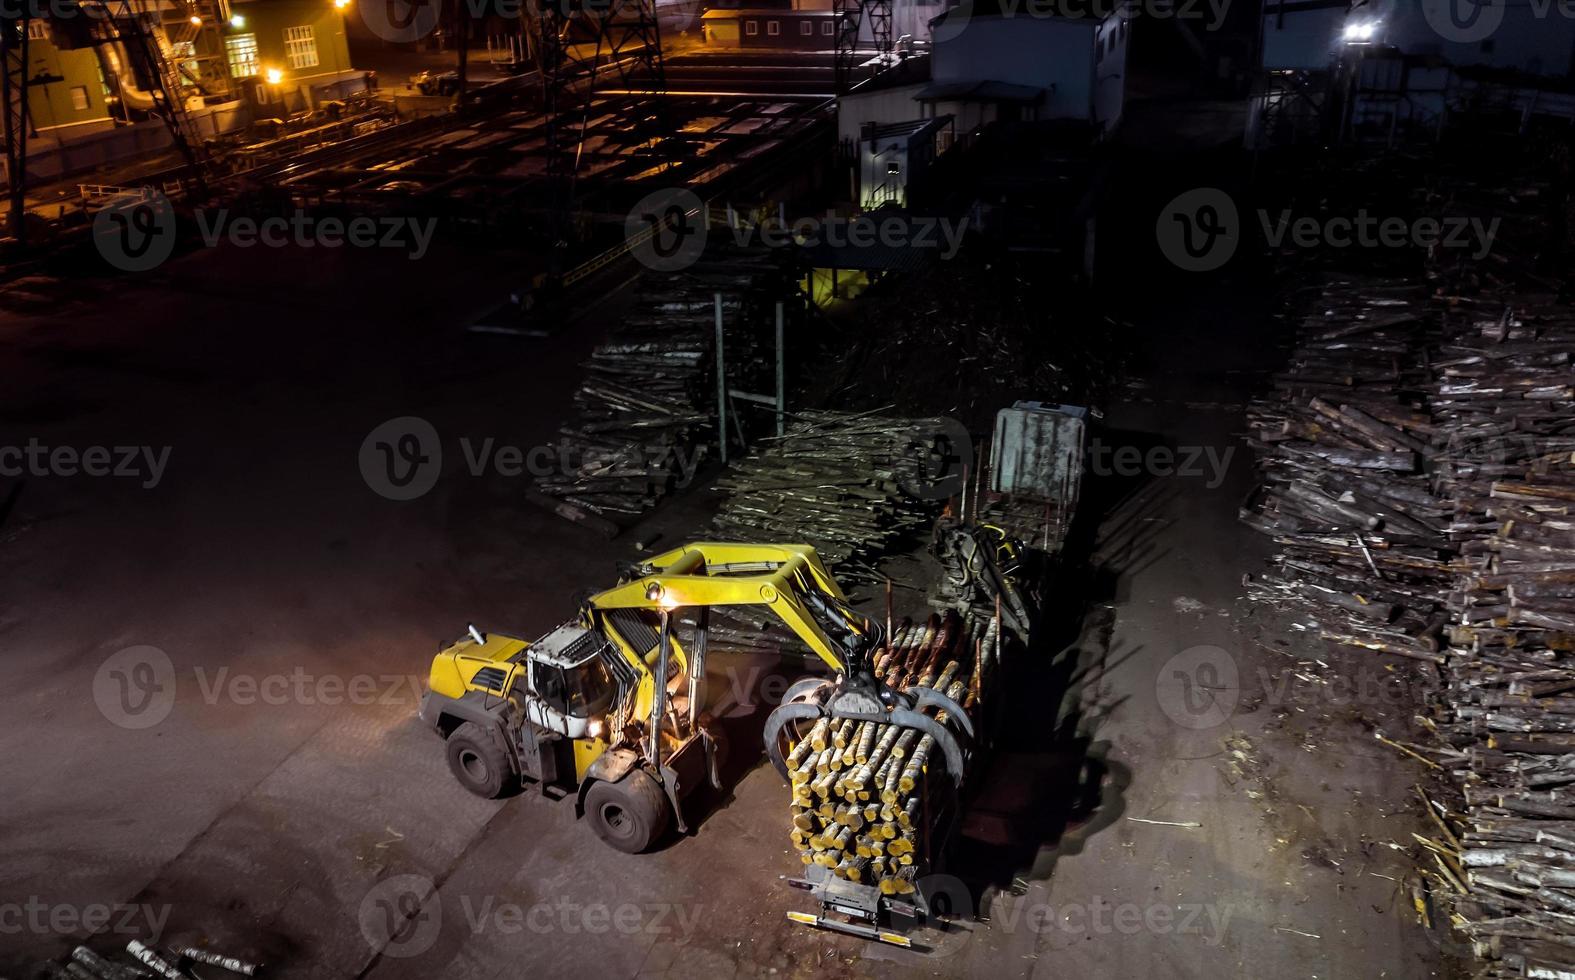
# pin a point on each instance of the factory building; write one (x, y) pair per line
(1001, 64)
(1399, 69)
(230, 60)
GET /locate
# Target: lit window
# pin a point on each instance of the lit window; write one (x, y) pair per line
(828, 28)
(773, 28)
(241, 51)
(37, 30)
(806, 28)
(79, 97)
(300, 47)
(751, 28)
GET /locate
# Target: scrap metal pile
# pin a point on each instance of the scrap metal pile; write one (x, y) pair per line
(843, 483)
(647, 406)
(864, 793)
(1419, 460)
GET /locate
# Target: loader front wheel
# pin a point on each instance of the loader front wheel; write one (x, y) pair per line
(479, 761)
(630, 814)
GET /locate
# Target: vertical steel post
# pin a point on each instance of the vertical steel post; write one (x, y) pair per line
(659, 693)
(781, 375)
(721, 383)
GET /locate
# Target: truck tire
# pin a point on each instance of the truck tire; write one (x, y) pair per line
(630, 814)
(479, 761)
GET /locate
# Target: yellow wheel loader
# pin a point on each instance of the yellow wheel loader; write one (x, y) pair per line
(610, 706)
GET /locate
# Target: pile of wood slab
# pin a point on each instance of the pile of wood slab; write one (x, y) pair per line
(646, 411)
(852, 485)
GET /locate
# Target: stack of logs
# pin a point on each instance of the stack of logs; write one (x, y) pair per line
(843, 483)
(864, 794)
(647, 406)
(1505, 396)
(1343, 443)
(1403, 504)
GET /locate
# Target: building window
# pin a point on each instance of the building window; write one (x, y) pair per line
(806, 28)
(828, 28)
(751, 27)
(241, 52)
(79, 97)
(300, 47)
(773, 28)
(37, 30)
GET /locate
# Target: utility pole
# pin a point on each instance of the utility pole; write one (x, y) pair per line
(13, 92)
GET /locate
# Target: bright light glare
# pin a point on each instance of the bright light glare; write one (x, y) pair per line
(275, 76)
(237, 21)
(1361, 31)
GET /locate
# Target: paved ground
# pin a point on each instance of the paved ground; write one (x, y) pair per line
(266, 814)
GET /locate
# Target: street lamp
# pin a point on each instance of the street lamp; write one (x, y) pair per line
(274, 76)
(341, 6)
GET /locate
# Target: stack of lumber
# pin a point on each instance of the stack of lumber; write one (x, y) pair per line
(646, 411)
(843, 483)
(1504, 395)
(1343, 442)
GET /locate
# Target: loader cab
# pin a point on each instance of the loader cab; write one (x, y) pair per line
(571, 687)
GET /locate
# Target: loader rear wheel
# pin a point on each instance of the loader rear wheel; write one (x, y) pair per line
(479, 761)
(630, 814)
